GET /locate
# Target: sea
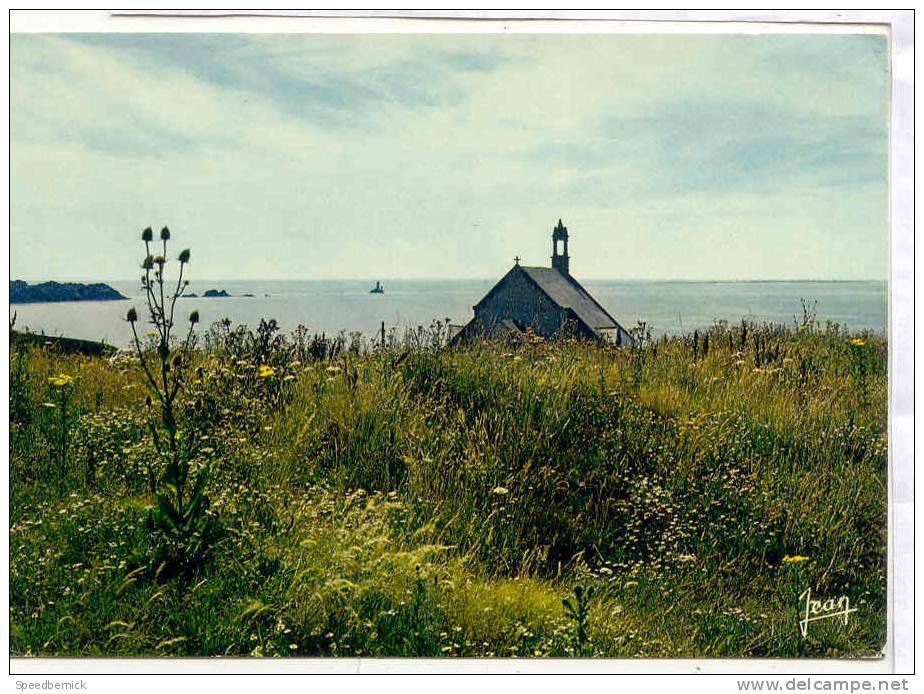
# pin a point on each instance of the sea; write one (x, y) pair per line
(332, 306)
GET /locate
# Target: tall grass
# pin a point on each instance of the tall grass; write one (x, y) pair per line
(403, 499)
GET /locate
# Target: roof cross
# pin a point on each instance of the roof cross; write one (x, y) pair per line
(517, 260)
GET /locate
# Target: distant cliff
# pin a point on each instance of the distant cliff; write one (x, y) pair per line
(66, 345)
(23, 292)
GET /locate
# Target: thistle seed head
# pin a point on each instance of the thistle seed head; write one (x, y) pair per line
(132, 315)
(184, 256)
(194, 317)
(147, 234)
(165, 234)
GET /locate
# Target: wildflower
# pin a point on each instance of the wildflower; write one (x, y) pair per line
(794, 559)
(266, 371)
(60, 380)
(500, 491)
(160, 260)
(184, 256)
(132, 315)
(147, 234)
(165, 234)
(148, 263)
(858, 341)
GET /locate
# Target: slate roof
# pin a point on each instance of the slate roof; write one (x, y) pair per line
(568, 293)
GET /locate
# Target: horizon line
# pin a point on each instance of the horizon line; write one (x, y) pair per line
(382, 278)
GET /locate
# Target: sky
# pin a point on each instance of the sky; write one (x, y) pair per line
(313, 156)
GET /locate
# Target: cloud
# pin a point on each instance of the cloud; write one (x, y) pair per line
(97, 98)
(314, 79)
(733, 146)
(743, 114)
(414, 155)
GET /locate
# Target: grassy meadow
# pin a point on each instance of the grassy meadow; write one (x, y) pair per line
(672, 499)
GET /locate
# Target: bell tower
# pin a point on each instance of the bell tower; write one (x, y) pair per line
(560, 260)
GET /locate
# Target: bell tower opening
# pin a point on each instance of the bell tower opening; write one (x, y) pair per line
(560, 259)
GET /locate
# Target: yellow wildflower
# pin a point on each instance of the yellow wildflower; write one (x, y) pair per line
(858, 341)
(500, 491)
(266, 371)
(795, 559)
(60, 380)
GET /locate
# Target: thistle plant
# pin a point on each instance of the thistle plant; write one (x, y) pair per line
(577, 608)
(181, 509)
(641, 338)
(62, 394)
(861, 360)
(20, 400)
